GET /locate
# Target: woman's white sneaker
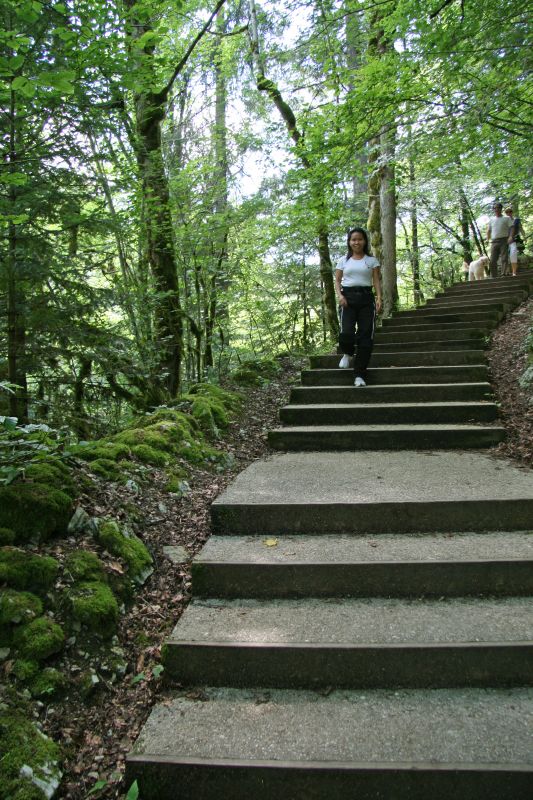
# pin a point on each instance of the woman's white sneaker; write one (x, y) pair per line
(359, 381)
(344, 363)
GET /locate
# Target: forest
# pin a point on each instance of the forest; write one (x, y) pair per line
(176, 184)
(178, 179)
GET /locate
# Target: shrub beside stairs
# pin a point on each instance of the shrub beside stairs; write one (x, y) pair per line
(362, 623)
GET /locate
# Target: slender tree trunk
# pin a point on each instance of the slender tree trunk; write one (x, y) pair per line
(287, 114)
(354, 48)
(16, 301)
(382, 179)
(415, 249)
(159, 253)
(219, 279)
(465, 227)
(388, 225)
(81, 420)
(374, 202)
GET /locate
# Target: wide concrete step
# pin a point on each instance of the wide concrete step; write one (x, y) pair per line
(468, 373)
(503, 298)
(415, 565)
(353, 643)
(393, 393)
(376, 491)
(383, 346)
(407, 358)
(475, 288)
(391, 437)
(466, 744)
(401, 334)
(437, 317)
(388, 413)
(428, 326)
(447, 314)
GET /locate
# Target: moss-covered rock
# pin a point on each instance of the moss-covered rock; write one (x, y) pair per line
(84, 565)
(39, 639)
(49, 683)
(22, 570)
(94, 605)
(34, 510)
(150, 436)
(7, 536)
(29, 765)
(171, 415)
(210, 414)
(176, 483)
(107, 469)
(148, 455)
(52, 473)
(244, 376)
(232, 401)
(255, 372)
(24, 670)
(18, 607)
(106, 449)
(127, 546)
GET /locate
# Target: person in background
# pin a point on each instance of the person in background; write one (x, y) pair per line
(356, 273)
(498, 234)
(476, 269)
(516, 235)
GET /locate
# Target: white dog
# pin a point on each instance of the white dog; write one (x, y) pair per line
(476, 269)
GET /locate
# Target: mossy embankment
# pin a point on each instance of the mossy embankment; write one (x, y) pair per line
(54, 599)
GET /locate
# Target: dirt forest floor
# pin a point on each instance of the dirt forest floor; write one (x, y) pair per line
(99, 732)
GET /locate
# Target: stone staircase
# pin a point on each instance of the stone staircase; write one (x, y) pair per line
(362, 620)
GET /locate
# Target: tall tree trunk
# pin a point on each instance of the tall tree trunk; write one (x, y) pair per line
(413, 213)
(388, 224)
(219, 278)
(16, 301)
(158, 243)
(317, 195)
(382, 179)
(354, 47)
(465, 226)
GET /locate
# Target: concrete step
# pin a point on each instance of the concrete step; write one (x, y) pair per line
(439, 327)
(503, 298)
(376, 491)
(377, 376)
(393, 393)
(493, 285)
(385, 437)
(451, 312)
(407, 358)
(413, 565)
(437, 317)
(467, 744)
(388, 413)
(353, 643)
(402, 334)
(437, 344)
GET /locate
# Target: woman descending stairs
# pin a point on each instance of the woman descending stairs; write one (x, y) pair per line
(362, 616)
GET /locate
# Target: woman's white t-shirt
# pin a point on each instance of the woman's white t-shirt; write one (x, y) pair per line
(357, 271)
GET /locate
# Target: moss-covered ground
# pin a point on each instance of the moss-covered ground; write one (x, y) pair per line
(66, 592)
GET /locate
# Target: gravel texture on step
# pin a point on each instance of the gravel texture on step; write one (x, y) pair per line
(378, 476)
(335, 549)
(446, 725)
(356, 621)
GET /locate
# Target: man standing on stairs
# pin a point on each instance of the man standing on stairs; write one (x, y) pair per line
(355, 275)
(498, 234)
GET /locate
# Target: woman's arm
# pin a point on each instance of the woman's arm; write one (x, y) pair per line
(376, 280)
(340, 297)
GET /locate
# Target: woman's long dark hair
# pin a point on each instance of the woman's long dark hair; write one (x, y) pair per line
(365, 236)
